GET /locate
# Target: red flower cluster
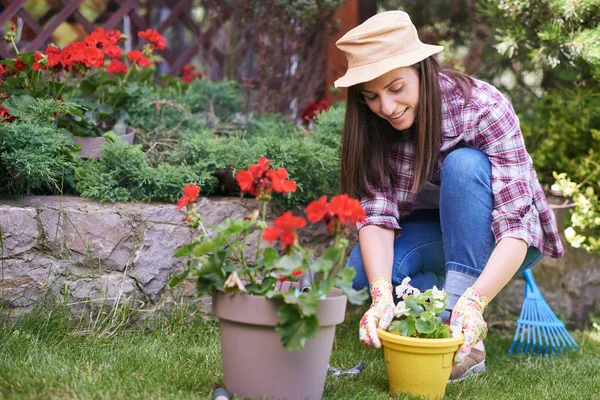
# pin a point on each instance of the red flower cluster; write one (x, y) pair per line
(91, 52)
(116, 67)
(189, 74)
(155, 39)
(342, 210)
(138, 58)
(314, 109)
(5, 116)
(259, 179)
(283, 229)
(190, 194)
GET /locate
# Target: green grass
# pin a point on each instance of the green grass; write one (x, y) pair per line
(44, 355)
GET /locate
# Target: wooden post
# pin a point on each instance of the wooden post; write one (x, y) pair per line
(352, 13)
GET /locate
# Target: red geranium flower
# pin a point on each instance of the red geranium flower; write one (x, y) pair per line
(260, 179)
(116, 67)
(342, 210)
(82, 53)
(113, 51)
(138, 58)
(189, 74)
(190, 194)
(283, 229)
(19, 65)
(312, 110)
(5, 116)
(156, 40)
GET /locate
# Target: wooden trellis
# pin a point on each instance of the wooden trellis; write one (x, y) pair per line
(179, 15)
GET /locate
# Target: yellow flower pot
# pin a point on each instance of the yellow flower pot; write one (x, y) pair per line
(417, 366)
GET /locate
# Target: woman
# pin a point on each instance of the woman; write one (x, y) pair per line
(438, 161)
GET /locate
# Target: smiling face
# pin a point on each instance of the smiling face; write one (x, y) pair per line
(394, 96)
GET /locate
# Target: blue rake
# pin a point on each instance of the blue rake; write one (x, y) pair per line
(538, 329)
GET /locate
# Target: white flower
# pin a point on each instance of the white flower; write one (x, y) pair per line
(400, 310)
(234, 281)
(404, 288)
(438, 294)
(415, 291)
(438, 304)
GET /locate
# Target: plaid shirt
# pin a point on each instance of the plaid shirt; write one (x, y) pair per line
(488, 123)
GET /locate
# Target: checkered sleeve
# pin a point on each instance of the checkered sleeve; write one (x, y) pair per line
(499, 136)
(381, 209)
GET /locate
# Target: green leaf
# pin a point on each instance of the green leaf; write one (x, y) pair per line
(414, 309)
(426, 316)
(184, 251)
(12, 83)
(214, 264)
(17, 104)
(289, 262)
(425, 326)
(295, 329)
(323, 265)
(261, 288)
(177, 279)
(132, 88)
(356, 297)
(442, 331)
(407, 327)
(345, 277)
(394, 327)
(269, 257)
(27, 58)
(331, 254)
(208, 246)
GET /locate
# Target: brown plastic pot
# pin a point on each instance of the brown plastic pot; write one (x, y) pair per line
(255, 364)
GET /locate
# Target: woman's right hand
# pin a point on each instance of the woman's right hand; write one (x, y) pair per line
(379, 315)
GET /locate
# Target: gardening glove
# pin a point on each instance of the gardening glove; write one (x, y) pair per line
(467, 318)
(379, 315)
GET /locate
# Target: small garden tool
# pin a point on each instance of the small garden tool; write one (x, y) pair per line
(538, 329)
(336, 372)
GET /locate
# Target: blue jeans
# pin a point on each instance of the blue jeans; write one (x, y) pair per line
(448, 247)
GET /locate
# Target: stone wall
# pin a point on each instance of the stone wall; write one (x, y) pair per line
(80, 252)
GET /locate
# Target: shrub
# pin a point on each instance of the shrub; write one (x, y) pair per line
(558, 131)
(124, 174)
(35, 158)
(220, 99)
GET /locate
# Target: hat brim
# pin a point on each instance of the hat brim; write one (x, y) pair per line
(368, 72)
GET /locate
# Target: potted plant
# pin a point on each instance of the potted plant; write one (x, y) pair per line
(276, 326)
(418, 347)
(92, 76)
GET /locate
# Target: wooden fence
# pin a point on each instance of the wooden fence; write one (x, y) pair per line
(130, 16)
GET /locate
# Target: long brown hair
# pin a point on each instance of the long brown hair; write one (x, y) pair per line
(366, 137)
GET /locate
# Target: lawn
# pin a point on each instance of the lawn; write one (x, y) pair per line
(44, 355)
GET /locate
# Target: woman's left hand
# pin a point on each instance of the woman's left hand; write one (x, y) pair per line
(467, 318)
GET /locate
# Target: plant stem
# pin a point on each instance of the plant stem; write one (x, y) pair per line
(14, 45)
(263, 219)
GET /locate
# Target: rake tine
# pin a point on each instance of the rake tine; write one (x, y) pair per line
(546, 334)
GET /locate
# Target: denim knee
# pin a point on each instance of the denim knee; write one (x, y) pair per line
(466, 164)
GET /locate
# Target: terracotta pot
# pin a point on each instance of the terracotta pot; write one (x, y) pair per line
(255, 364)
(420, 367)
(90, 146)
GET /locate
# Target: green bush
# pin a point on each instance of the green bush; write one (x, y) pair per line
(558, 131)
(219, 99)
(35, 156)
(124, 174)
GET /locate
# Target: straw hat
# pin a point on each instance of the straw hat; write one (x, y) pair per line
(382, 43)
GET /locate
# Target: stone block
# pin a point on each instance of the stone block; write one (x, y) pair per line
(19, 230)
